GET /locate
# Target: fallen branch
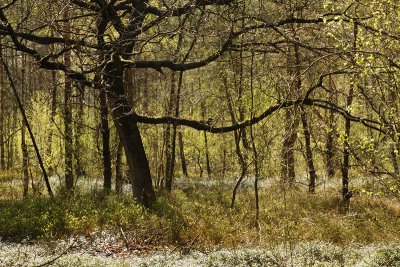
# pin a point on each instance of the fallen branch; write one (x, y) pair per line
(56, 258)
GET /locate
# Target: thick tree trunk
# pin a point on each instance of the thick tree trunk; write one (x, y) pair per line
(129, 134)
(136, 157)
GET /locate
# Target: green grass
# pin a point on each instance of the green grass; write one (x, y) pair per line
(39, 217)
(202, 218)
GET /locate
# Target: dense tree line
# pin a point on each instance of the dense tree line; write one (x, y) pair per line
(222, 87)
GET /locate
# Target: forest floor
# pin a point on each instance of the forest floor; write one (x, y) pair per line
(195, 226)
(74, 253)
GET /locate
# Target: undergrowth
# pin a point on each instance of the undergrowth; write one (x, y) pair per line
(202, 219)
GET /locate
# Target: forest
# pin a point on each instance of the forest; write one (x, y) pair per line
(199, 133)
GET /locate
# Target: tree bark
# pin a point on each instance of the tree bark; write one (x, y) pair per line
(169, 146)
(330, 153)
(237, 138)
(393, 158)
(255, 153)
(25, 120)
(79, 169)
(330, 137)
(11, 145)
(129, 134)
(105, 134)
(25, 160)
(182, 154)
(24, 147)
(346, 194)
(288, 160)
(118, 168)
(207, 153)
(53, 113)
(208, 164)
(2, 111)
(309, 154)
(68, 134)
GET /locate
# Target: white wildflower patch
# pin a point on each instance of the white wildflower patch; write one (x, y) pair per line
(74, 253)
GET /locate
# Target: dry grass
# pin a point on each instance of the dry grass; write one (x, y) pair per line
(198, 216)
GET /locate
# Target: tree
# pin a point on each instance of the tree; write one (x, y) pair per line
(96, 42)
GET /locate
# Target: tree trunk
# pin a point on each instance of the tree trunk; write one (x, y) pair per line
(53, 112)
(309, 155)
(330, 154)
(118, 168)
(347, 130)
(24, 148)
(241, 158)
(394, 145)
(182, 154)
(11, 145)
(330, 137)
(203, 115)
(52, 116)
(25, 160)
(79, 169)
(105, 134)
(2, 111)
(199, 163)
(346, 159)
(224, 162)
(169, 146)
(68, 135)
(208, 164)
(129, 134)
(393, 157)
(25, 121)
(288, 160)
(255, 153)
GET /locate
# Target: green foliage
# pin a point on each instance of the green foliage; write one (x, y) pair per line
(387, 256)
(200, 217)
(65, 215)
